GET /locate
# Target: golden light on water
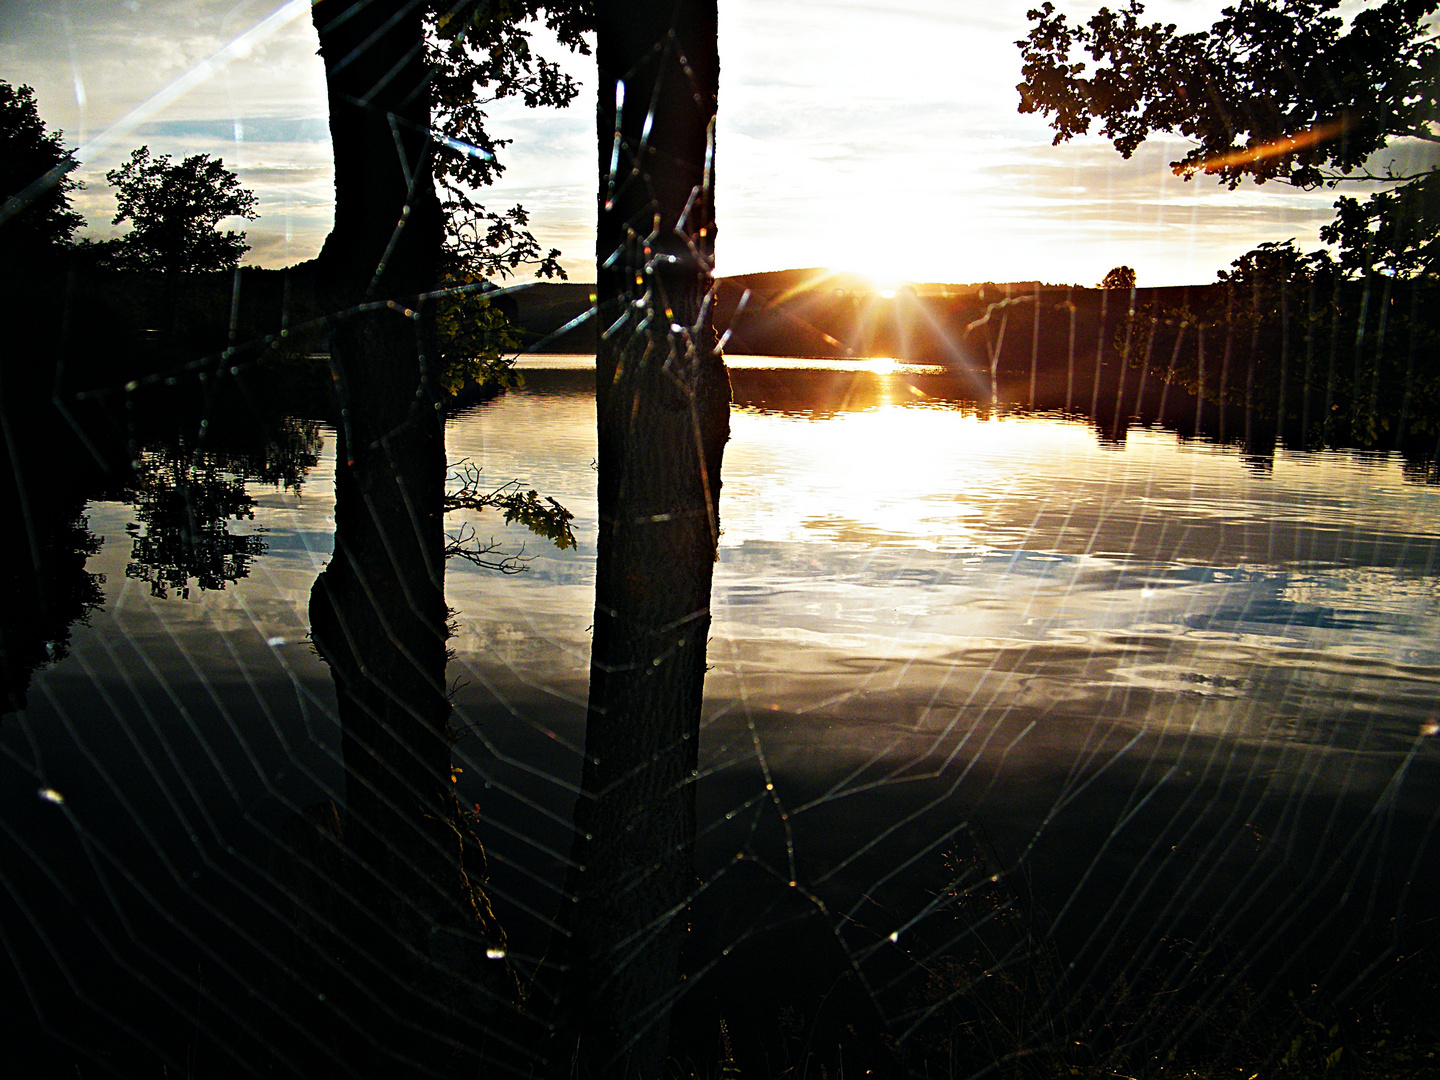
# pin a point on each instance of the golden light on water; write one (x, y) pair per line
(894, 472)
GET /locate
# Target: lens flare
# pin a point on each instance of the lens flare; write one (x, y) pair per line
(1286, 144)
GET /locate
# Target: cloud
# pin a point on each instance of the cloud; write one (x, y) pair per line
(263, 129)
(93, 62)
(259, 104)
(850, 132)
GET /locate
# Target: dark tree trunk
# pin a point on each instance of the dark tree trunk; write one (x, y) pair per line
(414, 939)
(663, 399)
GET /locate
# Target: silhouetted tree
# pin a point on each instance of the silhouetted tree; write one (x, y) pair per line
(176, 210)
(35, 182)
(378, 613)
(44, 586)
(1281, 90)
(1121, 277)
(663, 398)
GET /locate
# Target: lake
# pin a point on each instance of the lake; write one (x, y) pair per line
(983, 684)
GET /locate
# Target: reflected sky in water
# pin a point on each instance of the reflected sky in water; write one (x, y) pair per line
(896, 572)
(1163, 677)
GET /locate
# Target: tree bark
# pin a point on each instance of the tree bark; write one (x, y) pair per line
(663, 398)
(415, 935)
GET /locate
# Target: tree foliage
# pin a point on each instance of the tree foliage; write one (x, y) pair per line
(1397, 231)
(176, 210)
(32, 221)
(1121, 277)
(480, 52)
(544, 517)
(474, 337)
(1284, 90)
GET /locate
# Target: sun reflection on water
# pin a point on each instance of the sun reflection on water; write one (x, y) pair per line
(898, 472)
(896, 570)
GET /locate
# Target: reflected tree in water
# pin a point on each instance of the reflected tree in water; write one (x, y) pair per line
(425, 977)
(418, 980)
(186, 497)
(1294, 349)
(1299, 93)
(44, 587)
(421, 947)
(545, 518)
(185, 505)
(45, 540)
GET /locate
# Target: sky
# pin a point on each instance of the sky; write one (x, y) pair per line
(879, 136)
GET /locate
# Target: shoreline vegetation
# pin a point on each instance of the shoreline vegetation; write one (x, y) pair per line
(1263, 358)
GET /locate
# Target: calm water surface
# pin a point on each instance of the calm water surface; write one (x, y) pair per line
(909, 565)
(923, 614)
(1157, 672)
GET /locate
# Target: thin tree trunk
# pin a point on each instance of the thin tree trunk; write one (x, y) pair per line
(378, 610)
(385, 581)
(663, 398)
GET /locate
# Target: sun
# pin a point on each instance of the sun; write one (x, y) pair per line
(886, 286)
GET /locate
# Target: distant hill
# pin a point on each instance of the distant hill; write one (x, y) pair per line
(818, 279)
(775, 282)
(823, 313)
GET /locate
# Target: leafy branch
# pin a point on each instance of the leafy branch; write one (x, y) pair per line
(479, 52)
(1284, 90)
(544, 517)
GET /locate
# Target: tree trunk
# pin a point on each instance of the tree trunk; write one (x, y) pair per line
(415, 928)
(663, 399)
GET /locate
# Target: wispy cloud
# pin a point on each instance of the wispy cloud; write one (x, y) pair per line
(881, 136)
(261, 129)
(235, 80)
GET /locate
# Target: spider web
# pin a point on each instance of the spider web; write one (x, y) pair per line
(1036, 739)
